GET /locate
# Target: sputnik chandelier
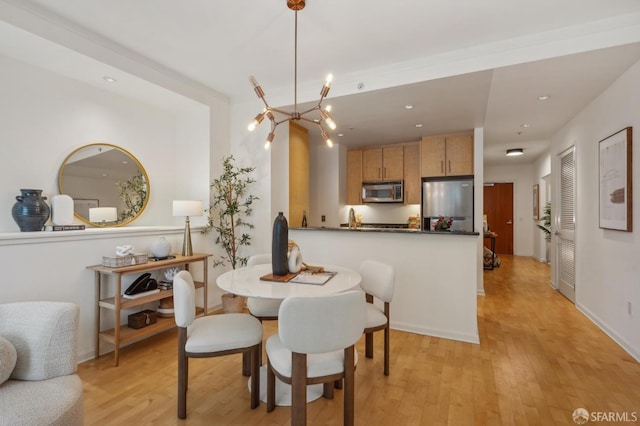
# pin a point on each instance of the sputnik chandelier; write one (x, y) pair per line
(277, 116)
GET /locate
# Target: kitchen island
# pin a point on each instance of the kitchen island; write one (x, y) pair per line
(436, 273)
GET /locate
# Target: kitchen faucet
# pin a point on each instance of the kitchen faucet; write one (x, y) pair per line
(352, 218)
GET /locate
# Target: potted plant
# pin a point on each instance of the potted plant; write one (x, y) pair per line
(546, 221)
(231, 204)
(545, 226)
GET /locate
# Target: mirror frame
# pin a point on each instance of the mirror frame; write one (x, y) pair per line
(131, 156)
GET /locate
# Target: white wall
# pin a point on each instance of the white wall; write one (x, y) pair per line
(521, 176)
(542, 176)
(44, 117)
(607, 267)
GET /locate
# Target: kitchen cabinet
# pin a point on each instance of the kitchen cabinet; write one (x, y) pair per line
(298, 173)
(446, 155)
(385, 163)
(121, 334)
(412, 181)
(354, 176)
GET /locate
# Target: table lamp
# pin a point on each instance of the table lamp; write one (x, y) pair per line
(102, 215)
(187, 208)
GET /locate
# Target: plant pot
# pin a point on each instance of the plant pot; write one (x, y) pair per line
(232, 304)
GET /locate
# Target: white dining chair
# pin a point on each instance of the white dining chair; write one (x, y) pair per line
(378, 282)
(263, 309)
(211, 336)
(315, 344)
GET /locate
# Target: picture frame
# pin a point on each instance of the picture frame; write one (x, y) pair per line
(615, 181)
(536, 201)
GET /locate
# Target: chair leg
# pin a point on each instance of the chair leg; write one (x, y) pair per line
(368, 345)
(386, 350)
(327, 390)
(246, 364)
(183, 375)
(349, 386)
(271, 388)
(338, 384)
(255, 377)
(298, 389)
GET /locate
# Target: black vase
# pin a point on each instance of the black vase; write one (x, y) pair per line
(30, 211)
(280, 246)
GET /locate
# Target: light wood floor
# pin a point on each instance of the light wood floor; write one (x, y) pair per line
(539, 359)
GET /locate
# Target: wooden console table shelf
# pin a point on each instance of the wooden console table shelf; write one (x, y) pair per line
(121, 333)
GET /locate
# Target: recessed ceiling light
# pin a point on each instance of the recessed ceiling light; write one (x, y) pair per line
(544, 97)
(340, 134)
(525, 125)
(515, 152)
(418, 125)
(109, 79)
(408, 106)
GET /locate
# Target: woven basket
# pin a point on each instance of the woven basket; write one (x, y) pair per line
(232, 303)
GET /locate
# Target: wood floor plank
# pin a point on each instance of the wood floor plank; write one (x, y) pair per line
(538, 360)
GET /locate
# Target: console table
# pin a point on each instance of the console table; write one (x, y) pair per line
(120, 333)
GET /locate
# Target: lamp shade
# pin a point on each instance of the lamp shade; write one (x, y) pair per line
(187, 208)
(103, 214)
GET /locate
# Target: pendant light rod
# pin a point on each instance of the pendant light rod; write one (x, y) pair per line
(295, 67)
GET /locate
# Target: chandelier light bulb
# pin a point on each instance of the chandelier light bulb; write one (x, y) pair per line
(329, 143)
(329, 80)
(330, 123)
(252, 126)
(327, 108)
(267, 145)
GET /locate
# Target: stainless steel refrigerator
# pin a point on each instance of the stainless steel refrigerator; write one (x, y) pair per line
(449, 197)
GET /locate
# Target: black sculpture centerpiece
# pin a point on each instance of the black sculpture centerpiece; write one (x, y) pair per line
(280, 246)
(30, 211)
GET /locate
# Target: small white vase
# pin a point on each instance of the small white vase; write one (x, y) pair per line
(161, 248)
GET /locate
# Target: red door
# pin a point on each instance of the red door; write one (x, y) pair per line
(498, 206)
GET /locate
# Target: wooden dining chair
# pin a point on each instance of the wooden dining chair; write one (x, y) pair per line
(211, 336)
(378, 282)
(315, 344)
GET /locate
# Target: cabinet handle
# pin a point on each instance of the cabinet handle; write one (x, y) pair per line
(384, 172)
(449, 166)
(379, 173)
(441, 166)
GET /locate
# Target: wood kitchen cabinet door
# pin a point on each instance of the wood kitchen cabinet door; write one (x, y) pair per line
(393, 163)
(354, 176)
(372, 164)
(298, 173)
(412, 181)
(459, 155)
(432, 156)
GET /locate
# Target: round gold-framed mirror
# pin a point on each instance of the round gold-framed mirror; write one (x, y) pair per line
(101, 177)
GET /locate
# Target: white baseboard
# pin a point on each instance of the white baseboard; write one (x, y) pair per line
(480, 292)
(445, 334)
(634, 352)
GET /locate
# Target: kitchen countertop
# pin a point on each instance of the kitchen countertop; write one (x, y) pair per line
(387, 230)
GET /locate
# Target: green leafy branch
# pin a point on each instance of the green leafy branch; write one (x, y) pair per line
(133, 193)
(230, 205)
(546, 221)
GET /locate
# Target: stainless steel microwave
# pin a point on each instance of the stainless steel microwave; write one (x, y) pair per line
(383, 192)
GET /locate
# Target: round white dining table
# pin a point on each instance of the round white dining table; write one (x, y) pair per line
(246, 282)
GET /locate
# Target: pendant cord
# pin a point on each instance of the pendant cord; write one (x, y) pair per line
(295, 67)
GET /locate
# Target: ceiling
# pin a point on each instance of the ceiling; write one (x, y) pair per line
(372, 44)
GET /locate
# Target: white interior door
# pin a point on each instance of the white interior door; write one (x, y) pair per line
(565, 219)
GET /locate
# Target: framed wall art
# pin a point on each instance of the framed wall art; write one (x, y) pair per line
(615, 181)
(536, 200)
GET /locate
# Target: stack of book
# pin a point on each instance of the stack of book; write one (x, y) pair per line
(165, 285)
(64, 228)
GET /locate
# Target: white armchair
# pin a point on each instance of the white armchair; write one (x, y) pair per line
(38, 343)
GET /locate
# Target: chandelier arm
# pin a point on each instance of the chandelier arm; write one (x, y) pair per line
(315, 108)
(276, 123)
(309, 120)
(280, 111)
